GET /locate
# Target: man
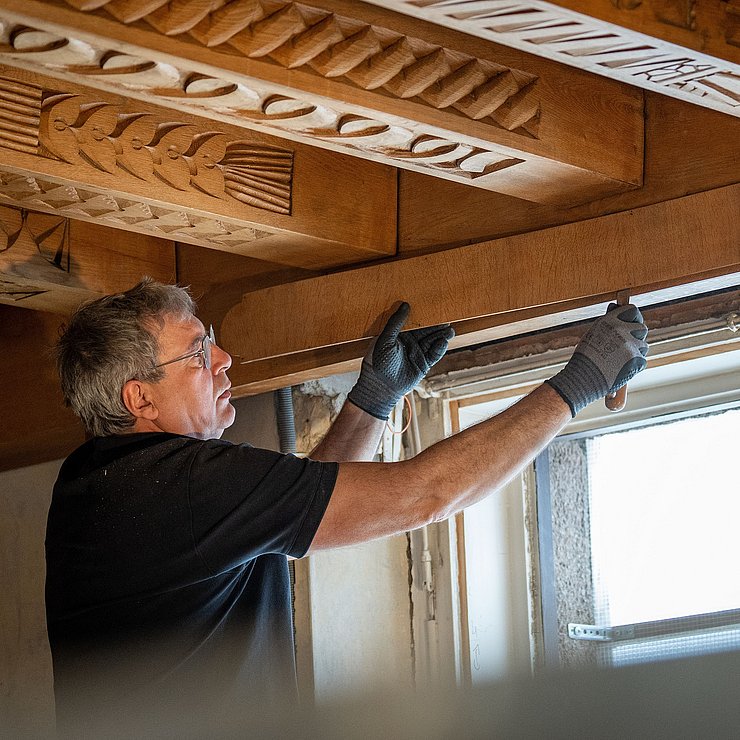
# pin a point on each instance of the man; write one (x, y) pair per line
(167, 584)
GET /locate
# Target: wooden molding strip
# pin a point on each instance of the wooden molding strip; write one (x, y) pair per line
(340, 82)
(262, 376)
(556, 31)
(666, 243)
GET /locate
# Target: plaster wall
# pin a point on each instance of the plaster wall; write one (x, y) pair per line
(569, 493)
(359, 612)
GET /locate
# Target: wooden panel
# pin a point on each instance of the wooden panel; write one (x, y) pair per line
(261, 376)
(36, 425)
(667, 242)
(51, 263)
(71, 150)
(218, 279)
(688, 149)
(354, 78)
(559, 33)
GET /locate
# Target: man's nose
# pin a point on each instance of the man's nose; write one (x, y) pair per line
(220, 359)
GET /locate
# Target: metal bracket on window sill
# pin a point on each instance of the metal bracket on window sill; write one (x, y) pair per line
(600, 634)
(729, 619)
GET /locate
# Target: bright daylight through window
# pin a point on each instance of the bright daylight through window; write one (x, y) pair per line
(664, 538)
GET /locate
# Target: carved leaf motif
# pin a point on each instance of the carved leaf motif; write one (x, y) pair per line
(59, 112)
(74, 132)
(134, 134)
(203, 156)
(168, 146)
(93, 133)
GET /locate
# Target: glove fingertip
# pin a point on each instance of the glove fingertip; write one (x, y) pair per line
(395, 323)
(630, 314)
(437, 351)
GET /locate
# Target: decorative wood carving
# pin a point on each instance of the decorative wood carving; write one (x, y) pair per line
(293, 35)
(20, 114)
(85, 132)
(559, 33)
(415, 105)
(51, 263)
(123, 164)
(97, 205)
(259, 104)
(165, 153)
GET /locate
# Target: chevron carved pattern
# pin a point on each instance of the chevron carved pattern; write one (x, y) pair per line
(293, 36)
(91, 204)
(250, 101)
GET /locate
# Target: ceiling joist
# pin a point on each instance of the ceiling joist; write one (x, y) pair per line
(80, 153)
(689, 49)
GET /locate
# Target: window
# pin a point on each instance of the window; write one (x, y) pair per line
(626, 537)
(644, 547)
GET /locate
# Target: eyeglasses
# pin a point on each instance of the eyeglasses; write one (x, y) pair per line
(207, 341)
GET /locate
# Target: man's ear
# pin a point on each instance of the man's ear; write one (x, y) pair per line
(137, 399)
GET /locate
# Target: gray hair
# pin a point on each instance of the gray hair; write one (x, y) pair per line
(107, 342)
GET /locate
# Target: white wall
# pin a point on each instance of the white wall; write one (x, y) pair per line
(26, 689)
(360, 618)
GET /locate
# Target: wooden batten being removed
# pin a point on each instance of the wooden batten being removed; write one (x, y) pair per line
(658, 245)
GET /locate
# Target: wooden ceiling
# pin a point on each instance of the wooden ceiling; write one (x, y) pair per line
(304, 166)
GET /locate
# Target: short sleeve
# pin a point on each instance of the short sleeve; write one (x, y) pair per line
(246, 502)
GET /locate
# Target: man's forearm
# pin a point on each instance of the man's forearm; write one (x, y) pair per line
(465, 468)
(353, 437)
(377, 500)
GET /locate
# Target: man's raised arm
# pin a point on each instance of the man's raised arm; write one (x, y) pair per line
(372, 500)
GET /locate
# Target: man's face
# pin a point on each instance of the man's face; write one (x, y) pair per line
(191, 399)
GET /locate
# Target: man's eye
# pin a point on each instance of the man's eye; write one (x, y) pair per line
(198, 360)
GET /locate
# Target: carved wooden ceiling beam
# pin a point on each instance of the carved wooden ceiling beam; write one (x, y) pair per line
(658, 245)
(80, 153)
(689, 49)
(352, 78)
(51, 263)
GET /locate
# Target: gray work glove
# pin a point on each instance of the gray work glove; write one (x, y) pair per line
(611, 353)
(397, 362)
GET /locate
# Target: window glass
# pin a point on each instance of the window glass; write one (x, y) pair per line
(664, 514)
